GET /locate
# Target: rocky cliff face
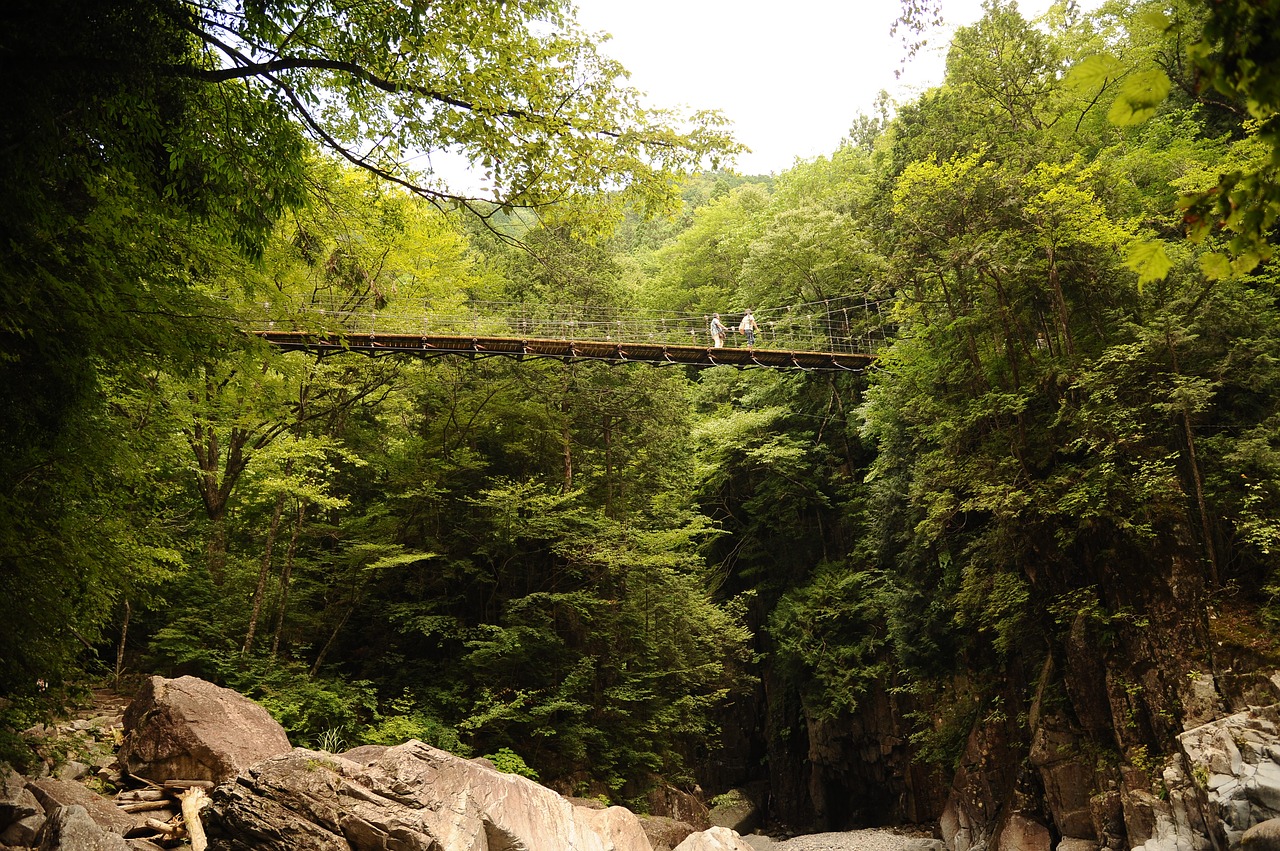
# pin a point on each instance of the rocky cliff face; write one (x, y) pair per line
(1112, 729)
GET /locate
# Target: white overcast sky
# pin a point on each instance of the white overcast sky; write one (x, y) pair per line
(790, 74)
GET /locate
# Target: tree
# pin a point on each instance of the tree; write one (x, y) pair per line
(1232, 48)
(701, 270)
(151, 148)
(513, 88)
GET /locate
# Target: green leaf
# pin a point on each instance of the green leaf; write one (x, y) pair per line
(1150, 260)
(401, 559)
(1215, 266)
(1245, 263)
(1156, 19)
(1093, 72)
(1139, 97)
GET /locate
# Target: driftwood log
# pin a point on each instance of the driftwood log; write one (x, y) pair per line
(190, 795)
(144, 806)
(169, 830)
(192, 801)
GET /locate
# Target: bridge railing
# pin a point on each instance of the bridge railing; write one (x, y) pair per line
(842, 326)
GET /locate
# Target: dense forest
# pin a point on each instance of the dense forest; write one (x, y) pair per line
(1051, 503)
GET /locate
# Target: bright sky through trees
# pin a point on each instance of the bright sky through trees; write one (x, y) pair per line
(790, 75)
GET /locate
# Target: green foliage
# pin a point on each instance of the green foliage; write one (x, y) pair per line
(403, 719)
(578, 568)
(509, 761)
(830, 635)
(940, 735)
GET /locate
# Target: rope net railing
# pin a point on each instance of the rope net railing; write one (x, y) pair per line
(845, 325)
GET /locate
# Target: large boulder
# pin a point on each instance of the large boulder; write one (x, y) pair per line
(715, 839)
(73, 829)
(666, 833)
(1263, 836)
(20, 813)
(190, 729)
(411, 796)
(734, 810)
(54, 794)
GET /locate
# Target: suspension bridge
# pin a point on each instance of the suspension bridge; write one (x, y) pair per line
(833, 335)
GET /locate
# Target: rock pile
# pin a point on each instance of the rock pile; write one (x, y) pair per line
(1237, 766)
(181, 737)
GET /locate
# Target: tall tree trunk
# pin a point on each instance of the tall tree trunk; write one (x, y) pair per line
(1061, 302)
(566, 439)
(1197, 478)
(124, 634)
(608, 465)
(1206, 528)
(285, 574)
(220, 467)
(216, 548)
(264, 570)
(324, 651)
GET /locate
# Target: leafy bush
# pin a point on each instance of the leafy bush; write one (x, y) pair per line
(312, 711)
(511, 762)
(398, 729)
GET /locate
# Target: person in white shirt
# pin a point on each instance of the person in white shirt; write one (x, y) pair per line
(718, 331)
(749, 327)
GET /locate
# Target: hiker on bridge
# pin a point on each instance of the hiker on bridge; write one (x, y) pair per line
(718, 331)
(749, 327)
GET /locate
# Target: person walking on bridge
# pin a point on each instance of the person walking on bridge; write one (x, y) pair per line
(749, 327)
(718, 331)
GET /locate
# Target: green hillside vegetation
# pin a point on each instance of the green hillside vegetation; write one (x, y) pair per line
(616, 575)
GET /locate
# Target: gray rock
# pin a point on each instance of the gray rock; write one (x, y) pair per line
(71, 828)
(13, 790)
(54, 794)
(1202, 703)
(1264, 836)
(17, 807)
(714, 839)
(921, 844)
(23, 831)
(1266, 786)
(365, 754)
(72, 770)
(189, 729)
(414, 797)
(735, 811)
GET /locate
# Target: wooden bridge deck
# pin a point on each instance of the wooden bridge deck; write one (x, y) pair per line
(427, 345)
